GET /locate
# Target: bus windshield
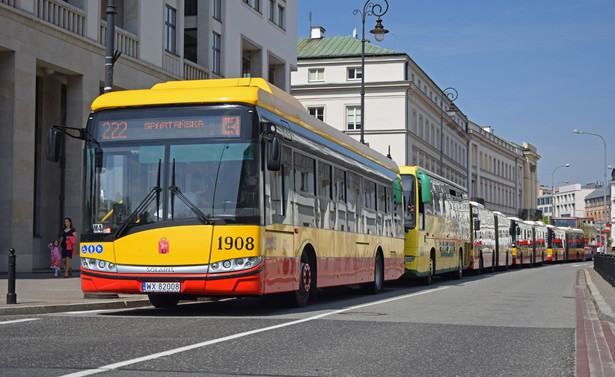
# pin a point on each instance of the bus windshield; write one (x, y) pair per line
(142, 183)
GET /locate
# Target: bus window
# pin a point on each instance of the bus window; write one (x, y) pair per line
(409, 185)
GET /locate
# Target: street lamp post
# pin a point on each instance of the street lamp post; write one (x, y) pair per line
(451, 93)
(553, 190)
(369, 9)
(605, 181)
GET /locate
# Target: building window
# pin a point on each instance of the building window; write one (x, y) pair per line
(256, 4)
(281, 17)
(217, 11)
(170, 29)
(245, 67)
(272, 10)
(191, 7)
(353, 117)
(215, 56)
(190, 50)
(316, 74)
(317, 112)
(355, 73)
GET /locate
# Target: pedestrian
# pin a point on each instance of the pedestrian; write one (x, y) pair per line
(68, 241)
(56, 256)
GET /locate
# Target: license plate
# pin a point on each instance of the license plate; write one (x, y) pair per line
(161, 286)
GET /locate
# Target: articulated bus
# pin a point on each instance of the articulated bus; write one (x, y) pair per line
(229, 188)
(437, 225)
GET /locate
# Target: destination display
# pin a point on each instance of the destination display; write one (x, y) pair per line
(210, 126)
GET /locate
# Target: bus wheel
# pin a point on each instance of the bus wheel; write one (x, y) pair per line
(459, 273)
(376, 286)
(432, 267)
(164, 301)
(302, 296)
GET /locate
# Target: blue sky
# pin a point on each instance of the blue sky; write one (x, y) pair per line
(532, 70)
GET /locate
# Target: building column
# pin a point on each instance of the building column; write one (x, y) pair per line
(21, 176)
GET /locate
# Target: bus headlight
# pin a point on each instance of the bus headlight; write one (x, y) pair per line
(98, 265)
(237, 264)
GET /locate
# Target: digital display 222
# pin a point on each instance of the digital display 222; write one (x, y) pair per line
(169, 128)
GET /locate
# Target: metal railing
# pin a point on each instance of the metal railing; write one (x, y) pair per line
(604, 264)
(125, 42)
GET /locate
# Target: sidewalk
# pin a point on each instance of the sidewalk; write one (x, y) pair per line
(41, 292)
(602, 295)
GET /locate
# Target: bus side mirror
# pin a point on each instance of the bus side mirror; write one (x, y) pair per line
(53, 147)
(397, 191)
(425, 186)
(274, 154)
(476, 224)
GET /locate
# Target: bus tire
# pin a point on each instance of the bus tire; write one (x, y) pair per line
(164, 301)
(459, 273)
(300, 297)
(432, 268)
(376, 286)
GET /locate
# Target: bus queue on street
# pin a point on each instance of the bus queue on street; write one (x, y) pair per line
(228, 188)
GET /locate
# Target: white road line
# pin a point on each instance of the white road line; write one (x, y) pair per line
(19, 320)
(121, 364)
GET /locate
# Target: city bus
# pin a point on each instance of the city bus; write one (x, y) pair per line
(437, 225)
(523, 239)
(483, 231)
(575, 245)
(230, 188)
(539, 242)
(504, 244)
(556, 243)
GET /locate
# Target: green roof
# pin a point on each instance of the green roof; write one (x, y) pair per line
(338, 47)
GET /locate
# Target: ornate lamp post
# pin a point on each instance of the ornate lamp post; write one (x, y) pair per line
(553, 190)
(451, 93)
(605, 181)
(369, 9)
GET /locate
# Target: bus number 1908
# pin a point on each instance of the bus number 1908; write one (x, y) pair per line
(239, 243)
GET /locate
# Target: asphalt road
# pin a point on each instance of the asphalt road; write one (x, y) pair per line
(515, 323)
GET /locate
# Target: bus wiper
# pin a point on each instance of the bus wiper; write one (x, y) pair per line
(176, 191)
(153, 194)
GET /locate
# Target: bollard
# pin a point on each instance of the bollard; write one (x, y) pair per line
(11, 297)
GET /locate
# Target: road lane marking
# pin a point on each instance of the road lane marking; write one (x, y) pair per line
(109, 367)
(19, 320)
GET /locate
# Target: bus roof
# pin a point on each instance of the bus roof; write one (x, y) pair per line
(255, 91)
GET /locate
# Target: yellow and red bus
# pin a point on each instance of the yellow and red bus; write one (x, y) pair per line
(575, 245)
(230, 188)
(523, 250)
(437, 224)
(556, 243)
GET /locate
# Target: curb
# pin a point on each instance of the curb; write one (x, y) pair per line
(44, 309)
(605, 312)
